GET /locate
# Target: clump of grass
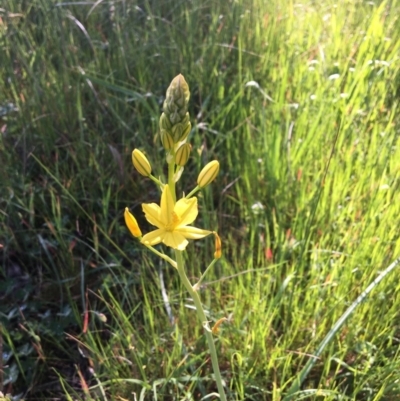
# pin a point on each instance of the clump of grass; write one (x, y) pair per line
(306, 201)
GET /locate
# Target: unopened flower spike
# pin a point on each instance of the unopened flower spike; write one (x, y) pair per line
(177, 98)
(175, 119)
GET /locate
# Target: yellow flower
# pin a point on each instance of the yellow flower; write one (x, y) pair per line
(132, 224)
(172, 221)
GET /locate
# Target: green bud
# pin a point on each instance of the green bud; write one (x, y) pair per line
(180, 131)
(177, 99)
(141, 163)
(167, 140)
(182, 154)
(177, 132)
(185, 119)
(164, 122)
(208, 174)
(185, 132)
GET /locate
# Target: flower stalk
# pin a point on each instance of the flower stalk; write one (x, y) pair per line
(203, 319)
(173, 217)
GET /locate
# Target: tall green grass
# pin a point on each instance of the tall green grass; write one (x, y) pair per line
(298, 102)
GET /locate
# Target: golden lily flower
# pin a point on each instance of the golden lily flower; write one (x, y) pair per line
(171, 220)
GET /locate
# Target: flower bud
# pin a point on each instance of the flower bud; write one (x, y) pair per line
(177, 99)
(208, 174)
(182, 154)
(218, 246)
(180, 131)
(177, 132)
(185, 119)
(141, 163)
(167, 140)
(132, 224)
(185, 132)
(164, 122)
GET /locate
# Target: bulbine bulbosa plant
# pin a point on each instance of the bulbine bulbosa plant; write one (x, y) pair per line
(172, 218)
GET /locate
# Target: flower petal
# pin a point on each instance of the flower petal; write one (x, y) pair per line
(192, 232)
(153, 237)
(187, 211)
(167, 206)
(218, 246)
(132, 224)
(175, 240)
(153, 214)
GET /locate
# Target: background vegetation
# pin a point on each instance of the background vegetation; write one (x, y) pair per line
(300, 104)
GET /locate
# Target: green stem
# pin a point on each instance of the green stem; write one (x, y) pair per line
(198, 284)
(162, 255)
(171, 172)
(192, 192)
(154, 179)
(203, 319)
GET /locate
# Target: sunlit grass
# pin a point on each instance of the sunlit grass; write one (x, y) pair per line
(298, 102)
